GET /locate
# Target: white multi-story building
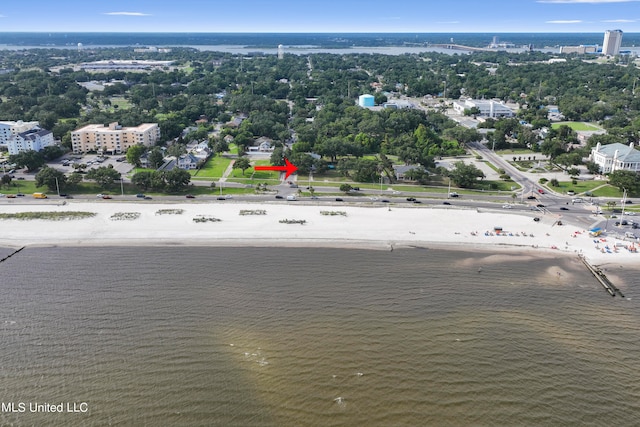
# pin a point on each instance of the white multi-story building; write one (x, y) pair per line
(8, 129)
(613, 157)
(612, 42)
(33, 139)
(113, 138)
(487, 108)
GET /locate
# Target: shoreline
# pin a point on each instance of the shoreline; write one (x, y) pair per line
(358, 227)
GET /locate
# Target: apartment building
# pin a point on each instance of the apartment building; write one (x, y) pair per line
(10, 128)
(113, 138)
(33, 139)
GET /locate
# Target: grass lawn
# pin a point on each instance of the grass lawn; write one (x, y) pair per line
(517, 151)
(577, 126)
(580, 187)
(121, 102)
(214, 168)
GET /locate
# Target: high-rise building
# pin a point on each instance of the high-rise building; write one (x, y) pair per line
(113, 138)
(612, 42)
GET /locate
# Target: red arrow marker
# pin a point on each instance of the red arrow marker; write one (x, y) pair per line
(288, 168)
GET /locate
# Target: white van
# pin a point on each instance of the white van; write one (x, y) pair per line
(577, 200)
(292, 197)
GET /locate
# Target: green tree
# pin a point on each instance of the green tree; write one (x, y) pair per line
(47, 176)
(177, 179)
(155, 158)
(30, 159)
(142, 180)
(134, 153)
(6, 180)
(628, 180)
(176, 150)
(104, 176)
(465, 175)
(241, 163)
(52, 152)
(593, 168)
(345, 188)
(74, 179)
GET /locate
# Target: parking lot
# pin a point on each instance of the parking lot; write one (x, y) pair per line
(93, 161)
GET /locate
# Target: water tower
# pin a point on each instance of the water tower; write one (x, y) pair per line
(79, 46)
(280, 51)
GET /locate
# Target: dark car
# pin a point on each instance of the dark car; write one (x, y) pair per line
(629, 202)
(190, 196)
(532, 198)
(20, 195)
(63, 195)
(536, 219)
(540, 205)
(411, 199)
(279, 197)
(446, 203)
(417, 201)
(148, 197)
(221, 198)
(338, 199)
(564, 209)
(624, 222)
(140, 195)
(384, 201)
(107, 197)
(20, 178)
(634, 225)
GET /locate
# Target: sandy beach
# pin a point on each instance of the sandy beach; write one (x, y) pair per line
(376, 227)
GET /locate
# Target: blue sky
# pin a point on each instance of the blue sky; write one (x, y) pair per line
(426, 16)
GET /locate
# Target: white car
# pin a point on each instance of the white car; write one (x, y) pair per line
(507, 207)
(100, 195)
(630, 213)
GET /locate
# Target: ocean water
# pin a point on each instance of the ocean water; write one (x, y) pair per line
(197, 336)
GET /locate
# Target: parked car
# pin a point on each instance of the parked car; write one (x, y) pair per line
(100, 196)
(107, 197)
(417, 201)
(536, 219)
(384, 201)
(507, 207)
(279, 197)
(221, 198)
(339, 199)
(411, 199)
(140, 195)
(148, 197)
(532, 198)
(190, 196)
(454, 194)
(540, 205)
(446, 203)
(11, 196)
(20, 178)
(564, 209)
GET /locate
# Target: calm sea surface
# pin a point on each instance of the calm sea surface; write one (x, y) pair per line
(182, 336)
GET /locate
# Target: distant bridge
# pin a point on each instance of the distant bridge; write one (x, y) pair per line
(454, 46)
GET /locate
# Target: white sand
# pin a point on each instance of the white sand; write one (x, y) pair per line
(382, 227)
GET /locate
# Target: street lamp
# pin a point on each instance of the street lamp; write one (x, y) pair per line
(57, 186)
